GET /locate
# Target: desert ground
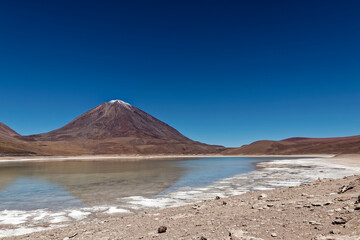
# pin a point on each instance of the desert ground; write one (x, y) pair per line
(323, 209)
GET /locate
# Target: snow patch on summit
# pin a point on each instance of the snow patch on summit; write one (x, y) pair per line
(120, 102)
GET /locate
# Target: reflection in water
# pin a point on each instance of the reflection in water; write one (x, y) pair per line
(32, 185)
(202, 173)
(30, 194)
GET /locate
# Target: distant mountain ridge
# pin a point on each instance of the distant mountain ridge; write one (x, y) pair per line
(300, 145)
(115, 127)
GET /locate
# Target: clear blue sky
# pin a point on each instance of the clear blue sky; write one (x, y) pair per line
(221, 72)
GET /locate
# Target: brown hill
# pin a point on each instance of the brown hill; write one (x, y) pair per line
(6, 132)
(300, 145)
(9, 145)
(115, 127)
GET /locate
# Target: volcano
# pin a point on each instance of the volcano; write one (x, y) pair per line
(115, 119)
(117, 127)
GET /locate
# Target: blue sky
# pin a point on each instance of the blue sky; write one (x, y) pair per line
(221, 72)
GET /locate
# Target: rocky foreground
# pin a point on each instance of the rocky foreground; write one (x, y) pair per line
(324, 209)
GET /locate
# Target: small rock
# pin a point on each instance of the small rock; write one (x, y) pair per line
(339, 220)
(74, 235)
(238, 234)
(162, 229)
(319, 237)
(340, 199)
(273, 234)
(335, 231)
(203, 238)
(358, 200)
(256, 206)
(224, 203)
(314, 223)
(345, 189)
(316, 204)
(217, 197)
(262, 196)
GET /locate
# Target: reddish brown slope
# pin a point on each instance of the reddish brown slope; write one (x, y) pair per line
(113, 120)
(338, 145)
(9, 145)
(6, 132)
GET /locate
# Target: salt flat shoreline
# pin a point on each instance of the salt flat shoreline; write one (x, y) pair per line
(347, 160)
(322, 209)
(141, 226)
(134, 157)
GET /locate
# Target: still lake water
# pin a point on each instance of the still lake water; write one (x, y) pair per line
(62, 185)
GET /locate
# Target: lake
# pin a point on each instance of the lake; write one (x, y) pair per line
(61, 185)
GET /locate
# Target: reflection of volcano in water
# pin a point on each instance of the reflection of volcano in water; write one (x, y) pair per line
(78, 184)
(31, 194)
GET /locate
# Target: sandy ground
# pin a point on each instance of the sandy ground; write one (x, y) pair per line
(129, 157)
(348, 160)
(324, 209)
